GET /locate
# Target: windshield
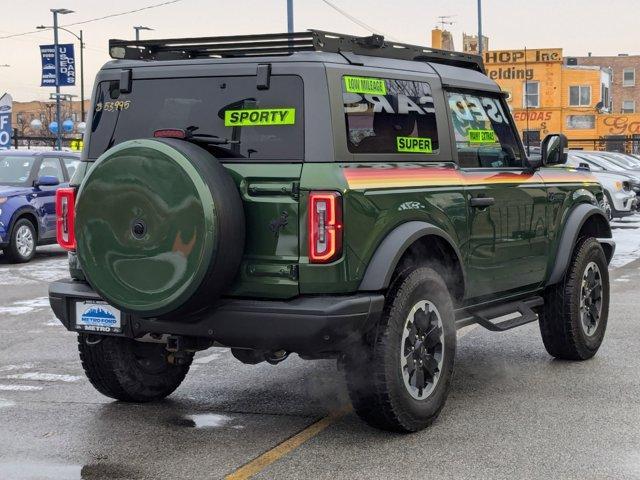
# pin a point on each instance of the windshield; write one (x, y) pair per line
(248, 123)
(606, 163)
(15, 170)
(621, 160)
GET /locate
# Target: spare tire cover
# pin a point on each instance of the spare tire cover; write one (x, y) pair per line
(149, 227)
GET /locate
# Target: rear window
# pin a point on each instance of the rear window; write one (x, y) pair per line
(258, 124)
(389, 116)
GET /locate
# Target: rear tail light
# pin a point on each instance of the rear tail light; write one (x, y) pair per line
(325, 226)
(65, 218)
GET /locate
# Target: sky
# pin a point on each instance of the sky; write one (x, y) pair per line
(577, 26)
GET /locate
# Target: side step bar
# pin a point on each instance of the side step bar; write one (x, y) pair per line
(486, 316)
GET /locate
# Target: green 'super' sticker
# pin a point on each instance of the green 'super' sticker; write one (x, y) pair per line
(260, 117)
(482, 136)
(373, 86)
(414, 144)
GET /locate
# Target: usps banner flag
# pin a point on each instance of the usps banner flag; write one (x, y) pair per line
(67, 67)
(6, 103)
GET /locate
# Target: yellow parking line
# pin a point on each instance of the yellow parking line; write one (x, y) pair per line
(258, 464)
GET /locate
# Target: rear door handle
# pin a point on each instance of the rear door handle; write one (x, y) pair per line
(481, 202)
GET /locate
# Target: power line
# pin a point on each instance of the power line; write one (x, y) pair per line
(119, 14)
(149, 7)
(357, 21)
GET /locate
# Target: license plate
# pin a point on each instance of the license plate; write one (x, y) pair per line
(94, 316)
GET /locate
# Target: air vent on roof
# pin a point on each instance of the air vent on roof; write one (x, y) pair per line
(572, 61)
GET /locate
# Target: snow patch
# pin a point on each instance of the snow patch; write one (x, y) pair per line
(22, 366)
(44, 377)
(22, 307)
(19, 388)
(211, 357)
(627, 242)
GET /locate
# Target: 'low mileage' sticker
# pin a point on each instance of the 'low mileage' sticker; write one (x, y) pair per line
(260, 117)
(482, 136)
(414, 144)
(366, 85)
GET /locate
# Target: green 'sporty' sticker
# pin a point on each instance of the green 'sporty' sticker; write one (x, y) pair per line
(373, 86)
(482, 136)
(414, 144)
(260, 117)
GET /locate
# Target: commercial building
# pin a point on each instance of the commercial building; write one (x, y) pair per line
(546, 95)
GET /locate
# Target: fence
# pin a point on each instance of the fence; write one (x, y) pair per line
(621, 143)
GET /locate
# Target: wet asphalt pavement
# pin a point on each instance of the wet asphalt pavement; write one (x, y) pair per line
(513, 411)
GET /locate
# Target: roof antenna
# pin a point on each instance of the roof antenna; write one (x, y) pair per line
(445, 20)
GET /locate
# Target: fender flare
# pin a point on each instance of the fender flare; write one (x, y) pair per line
(574, 223)
(386, 257)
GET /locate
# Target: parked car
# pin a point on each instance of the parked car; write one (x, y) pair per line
(598, 161)
(620, 196)
(334, 196)
(28, 184)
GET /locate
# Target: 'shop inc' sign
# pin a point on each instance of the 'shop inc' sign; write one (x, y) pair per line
(66, 74)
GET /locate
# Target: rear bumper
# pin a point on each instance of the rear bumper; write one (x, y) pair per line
(312, 325)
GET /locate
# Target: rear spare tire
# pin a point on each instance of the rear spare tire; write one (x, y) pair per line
(160, 227)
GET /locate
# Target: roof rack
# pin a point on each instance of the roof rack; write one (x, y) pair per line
(285, 44)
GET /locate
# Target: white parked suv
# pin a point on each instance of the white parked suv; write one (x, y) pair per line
(617, 185)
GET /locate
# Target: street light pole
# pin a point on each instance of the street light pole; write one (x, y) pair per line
(82, 119)
(290, 16)
(57, 63)
(480, 27)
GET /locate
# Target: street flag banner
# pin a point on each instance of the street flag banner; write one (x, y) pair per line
(67, 68)
(6, 103)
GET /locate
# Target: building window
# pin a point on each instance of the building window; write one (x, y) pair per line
(604, 97)
(628, 77)
(629, 106)
(581, 122)
(531, 97)
(579, 95)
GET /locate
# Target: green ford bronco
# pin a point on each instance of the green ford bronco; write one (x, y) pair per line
(325, 195)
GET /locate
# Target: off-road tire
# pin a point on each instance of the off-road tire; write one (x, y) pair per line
(114, 369)
(373, 371)
(560, 323)
(11, 253)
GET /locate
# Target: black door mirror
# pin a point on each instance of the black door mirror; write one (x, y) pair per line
(553, 149)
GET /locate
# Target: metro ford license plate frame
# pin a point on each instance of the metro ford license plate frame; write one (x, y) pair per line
(97, 316)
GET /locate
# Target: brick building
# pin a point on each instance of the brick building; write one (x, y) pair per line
(625, 93)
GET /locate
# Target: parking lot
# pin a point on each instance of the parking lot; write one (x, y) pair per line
(513, 412)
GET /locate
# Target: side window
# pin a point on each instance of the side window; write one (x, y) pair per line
(71, 164)
(485, 138)
(51, 167)
(389, 116)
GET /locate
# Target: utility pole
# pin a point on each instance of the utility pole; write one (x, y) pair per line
(290, 16)
(480, 27)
